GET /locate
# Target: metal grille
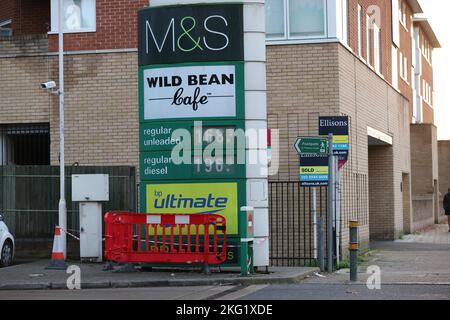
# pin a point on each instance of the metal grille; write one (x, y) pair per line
(25, 144)
(293, 225)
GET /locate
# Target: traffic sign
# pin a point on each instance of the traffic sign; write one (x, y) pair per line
(311, 145)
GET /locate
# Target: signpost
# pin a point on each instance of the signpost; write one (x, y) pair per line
(338, 128)
(313, 153)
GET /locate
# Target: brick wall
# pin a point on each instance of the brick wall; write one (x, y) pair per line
(385, 22)
(372, 102)
(101, 101)
(406, 49)
(101, 110)
(28, 16)
(302, 80)
(8, 9)
(305, 81)
(22, 100)
(427, 75)
(424, 171)
(381, 191)
(444, 172)
(116, 28)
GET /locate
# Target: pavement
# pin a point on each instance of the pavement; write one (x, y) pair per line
(437, 234)
(414, 268)
(33, 276)
(421, 259)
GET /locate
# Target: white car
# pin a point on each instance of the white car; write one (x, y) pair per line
(6, 245)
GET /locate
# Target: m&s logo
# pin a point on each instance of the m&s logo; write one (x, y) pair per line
(191, 34)
(186, 41)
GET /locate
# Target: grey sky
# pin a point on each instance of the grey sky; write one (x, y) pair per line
(436, 11)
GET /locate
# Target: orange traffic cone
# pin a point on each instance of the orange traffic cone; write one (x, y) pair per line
(57, 262)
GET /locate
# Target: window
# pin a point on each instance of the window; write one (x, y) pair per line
(404, 67)
(5, 28)
(78, 15)
(426, 92)
(25, 144)
(295, 19)
(368, 39)
(360, 33)
(426, 49)
(377, 47)
(345, 21)
(402, 13)
(275, 27)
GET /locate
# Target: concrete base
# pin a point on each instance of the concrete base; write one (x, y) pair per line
(19, 277)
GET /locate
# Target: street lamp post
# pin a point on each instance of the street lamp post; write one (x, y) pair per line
(62, 211)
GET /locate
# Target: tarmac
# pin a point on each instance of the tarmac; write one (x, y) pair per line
(35, 276)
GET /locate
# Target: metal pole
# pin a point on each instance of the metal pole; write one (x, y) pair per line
(320, 253)
(314, 212)
(354, 247)
(330, 203)
(62, 211)
(337, 197)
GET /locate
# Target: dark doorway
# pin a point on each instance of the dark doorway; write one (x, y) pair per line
(25, 144)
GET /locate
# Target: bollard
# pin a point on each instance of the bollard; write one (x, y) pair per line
(354, 246)
(320, 244)
(246, 233)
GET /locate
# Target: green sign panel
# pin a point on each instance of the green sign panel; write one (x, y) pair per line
(184, 169)
(311, 145)
(159, 165)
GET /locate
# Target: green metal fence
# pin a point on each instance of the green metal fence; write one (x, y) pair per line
(29, 196)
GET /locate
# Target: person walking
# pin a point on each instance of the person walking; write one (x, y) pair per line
(446, 204)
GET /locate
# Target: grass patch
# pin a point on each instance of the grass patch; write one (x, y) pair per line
(345, 263)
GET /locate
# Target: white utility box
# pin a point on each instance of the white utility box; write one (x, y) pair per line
(90, 187)
(90, 190)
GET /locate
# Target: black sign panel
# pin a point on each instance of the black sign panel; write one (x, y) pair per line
(195, 33)
(338, 126)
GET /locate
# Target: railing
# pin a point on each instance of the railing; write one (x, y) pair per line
(165, 238)
(293, 223)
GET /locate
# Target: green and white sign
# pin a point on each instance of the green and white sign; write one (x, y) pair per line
(311, 145)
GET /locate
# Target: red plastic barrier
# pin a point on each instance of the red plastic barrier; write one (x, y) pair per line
(165, 238)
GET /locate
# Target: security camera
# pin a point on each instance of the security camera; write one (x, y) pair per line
(49, 85)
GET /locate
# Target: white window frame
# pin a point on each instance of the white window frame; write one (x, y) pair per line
(404, 70)
(360, 31)
(368, 42)
(426, 52)
(402, 15)
(377, 48)
(54, 14)
(5, 23)
(287, 35)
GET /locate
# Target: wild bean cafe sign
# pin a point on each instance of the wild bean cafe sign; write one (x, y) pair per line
(196, 91)
(191, 68)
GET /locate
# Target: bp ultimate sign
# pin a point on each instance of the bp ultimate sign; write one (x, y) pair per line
(191, 70)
